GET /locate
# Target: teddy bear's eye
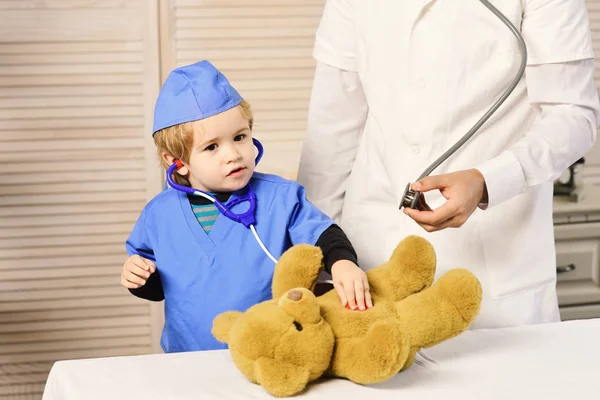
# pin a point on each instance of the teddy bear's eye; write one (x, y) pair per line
(298, 326)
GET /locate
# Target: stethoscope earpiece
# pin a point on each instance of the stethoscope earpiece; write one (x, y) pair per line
(178, 164)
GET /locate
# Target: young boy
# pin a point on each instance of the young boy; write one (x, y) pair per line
(200, 262)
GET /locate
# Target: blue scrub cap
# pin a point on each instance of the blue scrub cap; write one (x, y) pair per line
(191, 93)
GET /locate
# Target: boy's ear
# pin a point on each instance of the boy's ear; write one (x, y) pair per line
(169, 159)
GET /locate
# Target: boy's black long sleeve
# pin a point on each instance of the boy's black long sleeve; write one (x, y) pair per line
(152, 290)
(335, 247)
(333, 243)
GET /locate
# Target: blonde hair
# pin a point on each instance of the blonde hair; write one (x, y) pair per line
(177, 141)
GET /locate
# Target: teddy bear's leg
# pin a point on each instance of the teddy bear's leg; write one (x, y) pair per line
(373, 358)
(410, 269)
(442, 311)
(411, 357)
(298, 267)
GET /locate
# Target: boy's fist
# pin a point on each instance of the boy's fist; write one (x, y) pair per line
(136, 271)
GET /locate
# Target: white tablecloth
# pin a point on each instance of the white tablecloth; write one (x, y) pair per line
(554, 361)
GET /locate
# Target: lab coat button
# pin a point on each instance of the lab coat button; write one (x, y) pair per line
(415, 150)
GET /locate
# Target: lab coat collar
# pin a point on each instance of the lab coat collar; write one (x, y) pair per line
(416, 9)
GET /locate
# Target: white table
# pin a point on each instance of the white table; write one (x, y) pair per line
(554, 361)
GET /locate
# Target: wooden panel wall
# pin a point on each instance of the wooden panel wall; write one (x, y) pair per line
(77, 81)
(264, 47)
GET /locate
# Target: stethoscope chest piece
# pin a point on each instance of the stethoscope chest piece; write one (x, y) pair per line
(410, 198)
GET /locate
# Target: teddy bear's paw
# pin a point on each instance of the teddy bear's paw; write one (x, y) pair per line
(389, 346)
(280, 378)
(410, 269)
(462, 288)
(299, 266)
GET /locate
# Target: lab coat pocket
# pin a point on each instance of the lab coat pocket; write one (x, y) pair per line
(477, 27)
(373, 168)
(518, 256)
(486, 47)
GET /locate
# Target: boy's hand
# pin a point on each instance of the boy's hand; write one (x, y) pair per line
(136, 271)
(351, 284)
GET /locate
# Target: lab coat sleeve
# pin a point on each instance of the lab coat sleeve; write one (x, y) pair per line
(336, 117)
(337, 111)
(560, 86)
(556, 31)
(334, 39)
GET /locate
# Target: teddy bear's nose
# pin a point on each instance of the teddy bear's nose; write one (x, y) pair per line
(295, 295)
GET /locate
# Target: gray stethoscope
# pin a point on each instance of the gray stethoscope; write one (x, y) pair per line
(413, 199)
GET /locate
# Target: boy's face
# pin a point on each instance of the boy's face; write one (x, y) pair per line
(222, 156)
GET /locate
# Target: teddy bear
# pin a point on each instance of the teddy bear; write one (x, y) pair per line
(295, 338)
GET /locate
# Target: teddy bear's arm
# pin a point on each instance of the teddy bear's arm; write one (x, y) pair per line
(298, 267)
(442, 311)
(222, 325)
(410, 269)
(373, 358)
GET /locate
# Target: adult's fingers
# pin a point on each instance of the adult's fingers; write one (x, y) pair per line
(454, 222)
(430, 183)
(435, 217)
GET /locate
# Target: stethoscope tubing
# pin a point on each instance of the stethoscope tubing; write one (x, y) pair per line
(410, 197)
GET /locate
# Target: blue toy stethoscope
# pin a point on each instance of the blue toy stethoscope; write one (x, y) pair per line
(247, 218)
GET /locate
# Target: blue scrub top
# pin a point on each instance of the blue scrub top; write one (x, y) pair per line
(204, 275)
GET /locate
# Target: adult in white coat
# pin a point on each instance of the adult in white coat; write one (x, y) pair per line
(399, 81)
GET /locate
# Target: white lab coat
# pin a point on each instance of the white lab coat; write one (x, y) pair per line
(398, 82)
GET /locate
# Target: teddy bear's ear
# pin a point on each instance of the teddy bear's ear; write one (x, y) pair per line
(222, 325)
(279, 378)
(298, 267)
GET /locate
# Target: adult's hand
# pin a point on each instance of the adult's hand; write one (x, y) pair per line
(463, 190)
